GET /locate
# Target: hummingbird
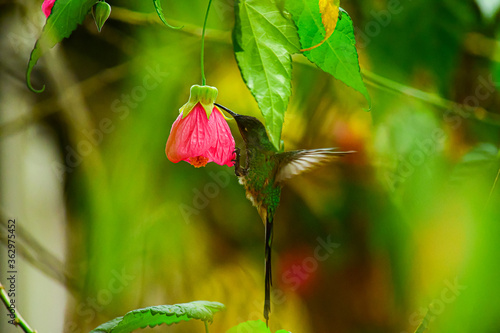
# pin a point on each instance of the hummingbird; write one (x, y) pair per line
(263, 175)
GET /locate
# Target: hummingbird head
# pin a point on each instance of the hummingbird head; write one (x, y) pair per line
(251, 129)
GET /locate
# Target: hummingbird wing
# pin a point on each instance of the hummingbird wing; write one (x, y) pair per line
(295, 162)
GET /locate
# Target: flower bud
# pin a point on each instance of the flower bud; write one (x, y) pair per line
(205, 95)
(101, 11)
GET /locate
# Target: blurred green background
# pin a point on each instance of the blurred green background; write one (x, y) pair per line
(107, 224)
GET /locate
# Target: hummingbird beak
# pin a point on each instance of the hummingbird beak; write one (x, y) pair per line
(234, 115)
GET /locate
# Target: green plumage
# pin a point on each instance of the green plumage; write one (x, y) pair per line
(263, 175)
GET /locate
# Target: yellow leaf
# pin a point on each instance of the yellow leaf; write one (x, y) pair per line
(329, 10)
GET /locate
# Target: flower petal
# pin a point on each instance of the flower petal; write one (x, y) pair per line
(190, 137)
(47, 7)
(222, 151)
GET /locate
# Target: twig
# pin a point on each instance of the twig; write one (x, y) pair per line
(495, 182)
(50, 106)
(480, 45)
(18, 319)
(494, 185)
(132, 17)
(372, 79)
(38, 256)
(386, 84)
(477, 113)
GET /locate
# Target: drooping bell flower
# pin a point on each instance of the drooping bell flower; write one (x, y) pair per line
(200, 134)
(47, 7)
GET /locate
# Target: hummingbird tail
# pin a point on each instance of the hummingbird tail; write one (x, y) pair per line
(269, 277)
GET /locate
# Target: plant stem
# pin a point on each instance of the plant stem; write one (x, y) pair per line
(37, 255)
(18, 319)
(50, 106)
(495, 182)
(203, 80)
(477, 113)
(494, 185)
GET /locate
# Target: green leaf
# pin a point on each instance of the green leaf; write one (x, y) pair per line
(337, 55)
(254, 326)
(161, 314)
(481, 160)
(63, 20)
(329, 11)
(424, 324)
(263, 43)
(159, 11)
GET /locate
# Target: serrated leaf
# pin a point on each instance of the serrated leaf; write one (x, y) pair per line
(254, 326)
(65, 16)
(263, 43)
(329, 10)
(161, 314)
(159, 11)
(337, 55)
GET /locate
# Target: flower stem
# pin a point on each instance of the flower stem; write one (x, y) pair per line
(18, 320)
(203, 80)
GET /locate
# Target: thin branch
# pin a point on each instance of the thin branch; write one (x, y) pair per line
(137, 18)
(18, 319)
(480, 45)
(38, 256)
(386, 84)
(50, 106)
(495, 182)
(494, 185)
(373, 79)
(477, 113)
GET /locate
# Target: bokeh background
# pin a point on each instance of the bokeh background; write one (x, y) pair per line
(106, 224)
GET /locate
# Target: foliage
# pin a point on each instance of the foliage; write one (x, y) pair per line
(369, 243)
(64, 18)
(264, 39)
(263, 43)
(481, 159)
(255, 326)
(161, 314)
(337, 54)
(159, 11)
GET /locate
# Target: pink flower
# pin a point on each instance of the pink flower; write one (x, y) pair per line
(47, 7)
(200, 137)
